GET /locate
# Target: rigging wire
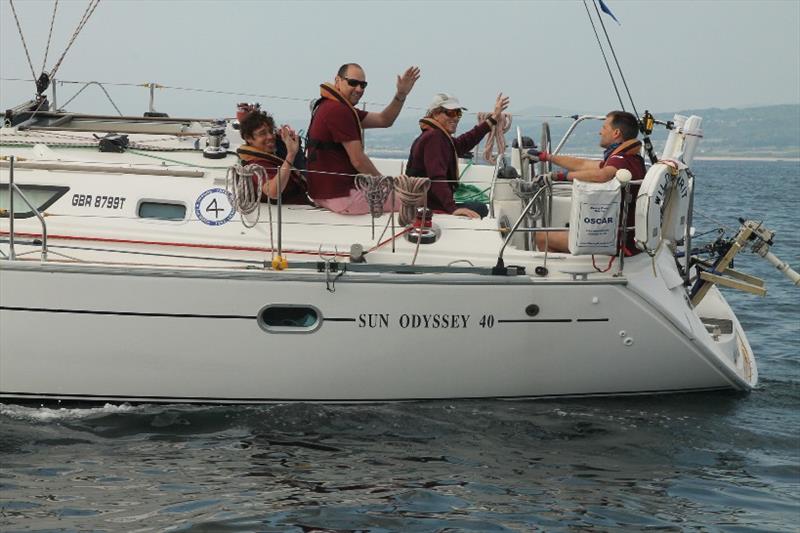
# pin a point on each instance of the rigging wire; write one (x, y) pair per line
(614, 54)
(50, 34)
(65, 104)
(265, 96)
(602, 51)
(22, 37)
(84, 19)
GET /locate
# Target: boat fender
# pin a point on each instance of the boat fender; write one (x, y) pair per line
(692, 133)
(662, 205)
(683, 139)
(674, 140)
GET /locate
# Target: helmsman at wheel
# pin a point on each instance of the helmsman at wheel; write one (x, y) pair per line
(618, 135)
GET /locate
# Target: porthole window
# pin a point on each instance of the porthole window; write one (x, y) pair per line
(161, 210)
(41, 196)
(289, 318)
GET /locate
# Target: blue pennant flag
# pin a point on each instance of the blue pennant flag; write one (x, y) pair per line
(604, 8)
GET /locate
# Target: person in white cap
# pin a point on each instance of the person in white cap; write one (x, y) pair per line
(434, 154)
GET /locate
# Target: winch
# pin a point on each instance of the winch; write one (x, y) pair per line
(422, 228)
(216, 142)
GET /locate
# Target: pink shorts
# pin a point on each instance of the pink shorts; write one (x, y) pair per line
(355, 204)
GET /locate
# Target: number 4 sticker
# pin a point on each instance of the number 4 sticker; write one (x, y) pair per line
(214, 207)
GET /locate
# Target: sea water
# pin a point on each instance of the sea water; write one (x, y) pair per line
(692, 462)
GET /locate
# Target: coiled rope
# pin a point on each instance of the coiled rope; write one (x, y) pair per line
(496, 136)
(413, 193)
(376, 190)
(245, 190)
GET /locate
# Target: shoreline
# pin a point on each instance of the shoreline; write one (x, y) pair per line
(390, 152)
(746, 158)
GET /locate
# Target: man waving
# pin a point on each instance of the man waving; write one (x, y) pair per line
(336, 138)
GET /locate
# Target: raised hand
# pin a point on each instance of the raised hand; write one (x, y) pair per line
(500, 105)
(406, 81)
(289, 138)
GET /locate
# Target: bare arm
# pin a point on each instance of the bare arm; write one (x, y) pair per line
(360, 160)
(574, 163)
(386, 118)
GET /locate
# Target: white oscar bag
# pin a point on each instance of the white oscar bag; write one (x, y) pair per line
(594, 218)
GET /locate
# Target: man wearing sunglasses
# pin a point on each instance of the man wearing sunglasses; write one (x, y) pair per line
(435, 152)
(336, 138)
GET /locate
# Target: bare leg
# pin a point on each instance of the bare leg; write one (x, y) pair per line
(552, 241)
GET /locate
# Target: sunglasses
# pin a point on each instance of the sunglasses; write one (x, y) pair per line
(452, 113)
(355, 83)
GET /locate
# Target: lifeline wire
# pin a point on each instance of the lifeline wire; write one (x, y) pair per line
(265, 96)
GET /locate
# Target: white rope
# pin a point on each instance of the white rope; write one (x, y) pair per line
(496, 135)
(246, 191)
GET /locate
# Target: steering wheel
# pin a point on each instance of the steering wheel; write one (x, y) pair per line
(524, 165)
(545, 166)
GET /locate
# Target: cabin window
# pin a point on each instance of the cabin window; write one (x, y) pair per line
(288, 318)
(41, 196)
(161, 210)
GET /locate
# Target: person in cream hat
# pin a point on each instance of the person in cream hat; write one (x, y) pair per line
(446, 101)
(435, 152)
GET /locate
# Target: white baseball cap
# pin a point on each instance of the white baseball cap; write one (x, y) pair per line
(447, 101)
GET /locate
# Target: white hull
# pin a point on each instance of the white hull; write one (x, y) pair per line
(130, 308)
(102, 334)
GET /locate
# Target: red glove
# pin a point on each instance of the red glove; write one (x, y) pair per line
(538, 155)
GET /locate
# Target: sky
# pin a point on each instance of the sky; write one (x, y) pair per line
(675, 54)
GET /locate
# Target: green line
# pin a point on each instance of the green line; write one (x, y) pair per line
(174, 160)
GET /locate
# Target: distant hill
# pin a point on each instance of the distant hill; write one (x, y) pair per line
(766, 131)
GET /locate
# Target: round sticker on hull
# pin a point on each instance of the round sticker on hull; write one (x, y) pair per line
(214, 207)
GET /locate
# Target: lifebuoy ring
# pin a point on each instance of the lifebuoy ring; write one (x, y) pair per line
(662, 205)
